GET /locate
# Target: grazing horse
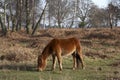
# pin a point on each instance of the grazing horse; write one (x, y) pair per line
(58, 48)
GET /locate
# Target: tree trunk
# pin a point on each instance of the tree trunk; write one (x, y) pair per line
(58, 15)
(17, 15)
(4, 30)
(49, 18)
(27, 16)
(20, 14)
(72, 22)
(59, 23)
(33, 14)
(4, 18)
(12, 17)
(8, 26)
(39, 20)
(111, 25)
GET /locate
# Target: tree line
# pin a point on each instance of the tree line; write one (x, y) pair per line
(16, 15)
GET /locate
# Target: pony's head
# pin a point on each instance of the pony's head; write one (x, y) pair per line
(41, 63)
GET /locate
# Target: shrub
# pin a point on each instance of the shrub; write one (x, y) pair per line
(18, 54)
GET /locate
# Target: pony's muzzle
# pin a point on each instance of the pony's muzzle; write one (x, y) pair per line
(40, 69)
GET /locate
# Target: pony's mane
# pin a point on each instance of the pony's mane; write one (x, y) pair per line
(47, 49)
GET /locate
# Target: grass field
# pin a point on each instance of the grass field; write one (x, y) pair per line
(101, 50)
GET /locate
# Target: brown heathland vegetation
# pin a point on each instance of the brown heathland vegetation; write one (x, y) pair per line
(20, 47)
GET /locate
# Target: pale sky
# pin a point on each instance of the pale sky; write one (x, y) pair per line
(101, 3)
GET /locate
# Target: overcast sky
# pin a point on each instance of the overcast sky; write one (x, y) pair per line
(101, 3)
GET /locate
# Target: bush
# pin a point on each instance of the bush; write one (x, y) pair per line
(18, 54)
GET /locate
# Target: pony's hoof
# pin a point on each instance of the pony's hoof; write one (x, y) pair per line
(60, 70)
(40, 70)
(83, 68)
(73, 68)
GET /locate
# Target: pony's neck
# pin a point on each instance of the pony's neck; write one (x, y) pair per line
(45, 55)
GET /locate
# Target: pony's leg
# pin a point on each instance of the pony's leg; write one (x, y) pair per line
(81, 58)
(74, 62)
(59, 61)
(59, 57)
(54, 62)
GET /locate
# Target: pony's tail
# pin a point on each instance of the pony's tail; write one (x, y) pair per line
(78, 60)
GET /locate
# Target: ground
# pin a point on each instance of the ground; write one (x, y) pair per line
(100, 47)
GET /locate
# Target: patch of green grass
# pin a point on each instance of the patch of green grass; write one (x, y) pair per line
(96, 69)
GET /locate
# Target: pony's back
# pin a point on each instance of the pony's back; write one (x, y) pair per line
(69, 42)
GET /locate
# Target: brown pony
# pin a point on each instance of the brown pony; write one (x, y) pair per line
(58, 48)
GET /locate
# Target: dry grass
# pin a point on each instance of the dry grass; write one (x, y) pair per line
(97, 43)
(18, 54)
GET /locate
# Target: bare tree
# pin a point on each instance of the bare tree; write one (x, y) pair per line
(33, 14)
(40, 18)
(114, 12)
(3, 16)
(98, 17)
(59, 10)
(27, 15)
(84, 7)
(4, 30)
